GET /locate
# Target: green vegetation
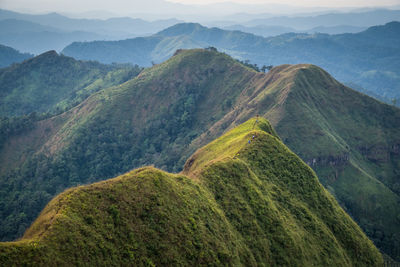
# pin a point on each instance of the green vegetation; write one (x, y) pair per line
(177, 100)
(354, 154)
(369, 59)
(257, 204)
(170, 110)
(54, 83)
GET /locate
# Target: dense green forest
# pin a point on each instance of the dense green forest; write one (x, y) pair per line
(241, 204)
(54, 83)
(170, 110)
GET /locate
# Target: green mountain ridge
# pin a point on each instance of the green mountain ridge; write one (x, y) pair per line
(167, 112)
(52, 83)
(368, 59)
(248, 204)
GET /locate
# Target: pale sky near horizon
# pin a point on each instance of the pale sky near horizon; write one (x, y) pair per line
(319, 3)
(121, 7)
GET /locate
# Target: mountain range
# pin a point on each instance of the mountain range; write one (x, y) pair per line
(369, 59)
(237, 203)
(357, 19)
(39, 33)
(268, 31)
(168, 111)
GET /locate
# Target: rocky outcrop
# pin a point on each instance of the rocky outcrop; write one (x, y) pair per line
(330, 160)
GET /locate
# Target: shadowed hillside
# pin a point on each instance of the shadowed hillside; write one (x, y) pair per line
(246, 204)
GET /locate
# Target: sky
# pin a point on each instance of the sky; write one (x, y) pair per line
(130, 7)
(308, 3)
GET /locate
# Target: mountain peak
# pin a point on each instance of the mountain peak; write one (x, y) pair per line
(259, 204)
(181, 28)
(50, 53)
(229, 145)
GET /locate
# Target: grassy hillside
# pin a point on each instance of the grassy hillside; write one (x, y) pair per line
(148, 120)
(368, 59)
(349, 139)
(246, 204)
(9, 56)
(52, 82)
(170, 110)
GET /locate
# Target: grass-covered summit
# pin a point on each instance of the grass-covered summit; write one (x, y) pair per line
(243, 200)
(168, 111)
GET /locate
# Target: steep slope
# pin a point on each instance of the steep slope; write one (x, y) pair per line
(9, 56)
(349, 139)
(148, 120)
(170, 110)
(369, 59)
(247, 204)
(51, 82)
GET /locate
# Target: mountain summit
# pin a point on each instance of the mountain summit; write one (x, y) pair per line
(249, 201)
(167, 112)
(369, 59)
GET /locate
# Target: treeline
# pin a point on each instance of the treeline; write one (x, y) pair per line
(246, 62)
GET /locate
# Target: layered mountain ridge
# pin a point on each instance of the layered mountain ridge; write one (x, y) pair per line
(368, 59)
(170, 110)
(250, 201)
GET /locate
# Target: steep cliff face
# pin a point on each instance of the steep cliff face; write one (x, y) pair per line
(243, 200)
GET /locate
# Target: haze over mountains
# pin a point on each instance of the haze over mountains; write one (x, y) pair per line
(167, 112)
(366, 60)
(369, 59)
(40, 33)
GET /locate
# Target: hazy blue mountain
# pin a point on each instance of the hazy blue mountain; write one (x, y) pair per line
(142, 50)
(35, 38)
(113, 27)
(337, 29)
(261, 30)
(361, 19)
(40, 33)
(268, 31)
(9, 56)
(12, 26)
(370, 59)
